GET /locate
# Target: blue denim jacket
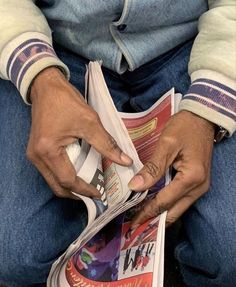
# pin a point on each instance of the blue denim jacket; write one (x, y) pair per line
(123, 33)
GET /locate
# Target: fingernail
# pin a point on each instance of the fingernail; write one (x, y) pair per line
(136, 182)
(125, 158)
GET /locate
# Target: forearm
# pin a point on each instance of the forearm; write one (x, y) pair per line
(25, 44)
(212, 67)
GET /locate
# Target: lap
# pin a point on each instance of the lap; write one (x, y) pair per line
(35, 225)
(209, 247)
(210, 233)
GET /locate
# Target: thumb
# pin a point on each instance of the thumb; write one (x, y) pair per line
(147, 176)
(153, 169)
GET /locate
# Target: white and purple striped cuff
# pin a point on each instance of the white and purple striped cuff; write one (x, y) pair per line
(213, 101)
(26, 56)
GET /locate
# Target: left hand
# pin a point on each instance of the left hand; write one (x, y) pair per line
(186, 143)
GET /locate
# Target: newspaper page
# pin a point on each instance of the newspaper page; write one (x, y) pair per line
(88, 165)
(117, 255)
(75, 264)
(116, 177)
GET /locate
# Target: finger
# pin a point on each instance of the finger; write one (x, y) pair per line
(97, 136)
(63, 170)
(180, 186)
(52, 182)
(184, 203)
(154, 169)
(105, 144)
(151, 209)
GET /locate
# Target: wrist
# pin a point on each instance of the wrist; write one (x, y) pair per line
(207, 126)
(43, 79)
(197, 118)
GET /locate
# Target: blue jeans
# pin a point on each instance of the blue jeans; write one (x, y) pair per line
(36, 227)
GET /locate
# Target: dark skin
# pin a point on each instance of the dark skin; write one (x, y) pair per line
(186, 143)
(60, 116)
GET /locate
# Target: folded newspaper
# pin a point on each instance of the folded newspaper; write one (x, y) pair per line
(108, 253)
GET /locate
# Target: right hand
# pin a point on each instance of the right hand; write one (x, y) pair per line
(59, 117)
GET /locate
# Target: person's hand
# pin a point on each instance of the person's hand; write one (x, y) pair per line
(186, 143)
(59, 117)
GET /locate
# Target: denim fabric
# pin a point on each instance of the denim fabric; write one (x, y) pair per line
(36, 227)
(125, 34)
(208, 251)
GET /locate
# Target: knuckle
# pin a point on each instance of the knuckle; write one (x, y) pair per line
(170, 219)
(148, 211)
(190, 197)
(156, 207)
(92, 117)
(43, 146)
(198, 175)
(91, 120)
(167, 140)
(66, 181)
(59, 193)
(112, 144)
(152, 169)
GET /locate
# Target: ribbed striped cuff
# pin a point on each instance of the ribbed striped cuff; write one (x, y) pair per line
(26, 56)
(212, 100)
